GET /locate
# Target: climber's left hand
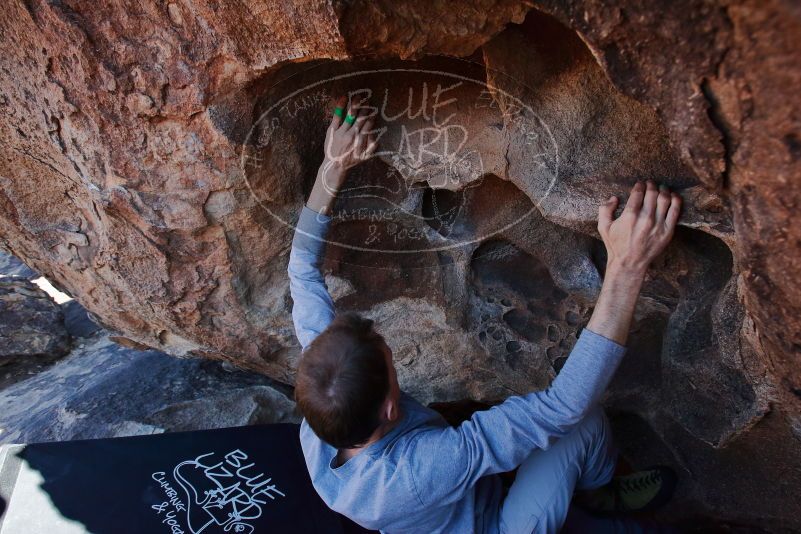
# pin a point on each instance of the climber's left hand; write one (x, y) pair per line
(350, 142)
(346, 145)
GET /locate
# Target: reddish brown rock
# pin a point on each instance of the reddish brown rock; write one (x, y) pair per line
(154, 157)
(719, 76)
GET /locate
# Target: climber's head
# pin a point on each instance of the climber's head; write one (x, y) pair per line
(346, 386)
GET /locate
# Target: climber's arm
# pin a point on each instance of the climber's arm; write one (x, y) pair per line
(632, 241)
(345, 145)
(312, 307)
(499, 439)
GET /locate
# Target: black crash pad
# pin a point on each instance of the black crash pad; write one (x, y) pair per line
(228, 481)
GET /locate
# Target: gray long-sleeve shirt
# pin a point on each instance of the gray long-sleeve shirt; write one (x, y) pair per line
(425, 476)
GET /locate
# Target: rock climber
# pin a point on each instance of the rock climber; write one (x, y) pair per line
(377, 456)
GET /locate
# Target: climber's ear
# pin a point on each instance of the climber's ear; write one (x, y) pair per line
(391, 408)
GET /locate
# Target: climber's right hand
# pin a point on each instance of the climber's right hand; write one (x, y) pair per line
(642, 231)
(632, 241)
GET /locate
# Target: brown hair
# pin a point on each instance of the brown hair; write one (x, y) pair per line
(342, 381)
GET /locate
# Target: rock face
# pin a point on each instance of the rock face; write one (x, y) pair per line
(11, 266)
(155, 157)
(101, 389)
(31, 324)
(104, 390)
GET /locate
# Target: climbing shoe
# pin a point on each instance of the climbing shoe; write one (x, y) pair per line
(642, 491)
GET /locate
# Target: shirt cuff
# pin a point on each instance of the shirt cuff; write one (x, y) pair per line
(607, 345)
(590, 367)
(310, 231)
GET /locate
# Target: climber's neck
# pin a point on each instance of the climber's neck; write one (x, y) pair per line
(343, 455)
